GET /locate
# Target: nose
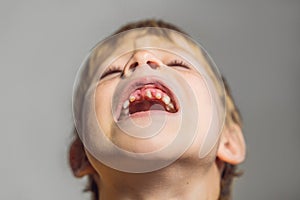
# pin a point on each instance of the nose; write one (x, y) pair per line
(140, 58)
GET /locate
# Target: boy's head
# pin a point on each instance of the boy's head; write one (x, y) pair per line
(164, 113)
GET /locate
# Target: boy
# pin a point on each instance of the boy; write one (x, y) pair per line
(148, 98)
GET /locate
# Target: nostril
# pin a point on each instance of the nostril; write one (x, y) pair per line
(133, 66)
(152, 64)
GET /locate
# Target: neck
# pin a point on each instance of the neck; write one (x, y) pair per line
(173, 182)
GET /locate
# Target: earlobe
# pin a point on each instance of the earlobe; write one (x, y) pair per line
(78, 160)
(232, 148)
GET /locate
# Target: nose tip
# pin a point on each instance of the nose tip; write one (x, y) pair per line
(140, 58)
(143, 57)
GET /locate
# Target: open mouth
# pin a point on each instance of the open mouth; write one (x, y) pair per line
(144, 96)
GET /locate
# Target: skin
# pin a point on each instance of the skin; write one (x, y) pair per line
(106, 89)
(188, 177)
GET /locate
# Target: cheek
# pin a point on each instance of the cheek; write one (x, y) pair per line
(204, 109)
(103, 99)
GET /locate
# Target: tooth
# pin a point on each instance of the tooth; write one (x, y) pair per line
(171, 106)
(166, 99)
(131, 98)
(124, 113)
(158, 95)
(148, 94)
(125, 104)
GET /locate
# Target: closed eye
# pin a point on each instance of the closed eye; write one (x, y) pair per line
(111, 71)
(178, 63)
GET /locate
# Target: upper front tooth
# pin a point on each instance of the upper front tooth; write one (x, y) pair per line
(126, 104)
(166, 99)
(131, 98)
(148, 94)
(158, 95)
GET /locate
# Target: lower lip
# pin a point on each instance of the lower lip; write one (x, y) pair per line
(147, 114)
(146, 119)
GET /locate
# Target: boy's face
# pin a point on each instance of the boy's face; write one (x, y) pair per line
(150, 99)
(153, 104)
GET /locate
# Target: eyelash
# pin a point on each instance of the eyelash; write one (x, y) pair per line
(111, 70)
(178, 63)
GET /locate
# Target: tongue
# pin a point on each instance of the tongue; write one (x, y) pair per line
(145, 105)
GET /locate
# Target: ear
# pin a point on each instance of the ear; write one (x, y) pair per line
(232, 148)
(78, 160)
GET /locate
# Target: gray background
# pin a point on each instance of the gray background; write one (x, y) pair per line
(42, 43)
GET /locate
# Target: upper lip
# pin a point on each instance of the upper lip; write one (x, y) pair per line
(142, 82)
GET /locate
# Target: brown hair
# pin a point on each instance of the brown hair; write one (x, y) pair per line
(229, 171)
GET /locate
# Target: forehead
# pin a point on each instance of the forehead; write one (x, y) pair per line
(161, 39)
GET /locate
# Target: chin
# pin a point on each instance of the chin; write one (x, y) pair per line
(154, 141)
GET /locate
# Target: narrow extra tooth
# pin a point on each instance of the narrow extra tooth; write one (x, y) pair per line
(158, 95)
(126, 111)
(148, 94)
(166, 100)
(132, 98)
(125, 104)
